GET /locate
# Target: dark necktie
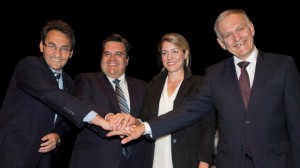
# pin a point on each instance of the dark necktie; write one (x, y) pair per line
(126, 151)
(244, 82)
(57, 77)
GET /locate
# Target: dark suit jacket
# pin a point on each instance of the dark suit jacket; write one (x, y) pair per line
(27, 113)
(271, 124)
(91, 150)
(191, 144)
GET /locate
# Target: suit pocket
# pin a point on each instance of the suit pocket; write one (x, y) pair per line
(282, 147)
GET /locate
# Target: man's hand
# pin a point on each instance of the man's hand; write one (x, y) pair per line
(50, 142)
(120, 121)
(100, 121)
(134, 132)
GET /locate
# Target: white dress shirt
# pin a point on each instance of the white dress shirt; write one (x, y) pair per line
(163, 146)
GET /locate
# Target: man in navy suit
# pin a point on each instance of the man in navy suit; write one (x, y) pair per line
(31, 114)
(97, 90)
(266, 132)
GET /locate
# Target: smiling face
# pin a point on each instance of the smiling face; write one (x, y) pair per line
(236, 35)
(56, 49)
(114, 60)
(172, 57)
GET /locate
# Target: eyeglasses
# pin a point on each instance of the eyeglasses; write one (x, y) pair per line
(118, 54)
(53, 48)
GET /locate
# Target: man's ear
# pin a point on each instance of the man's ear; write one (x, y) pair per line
(127, 60)
(221, 43)
(41, 46)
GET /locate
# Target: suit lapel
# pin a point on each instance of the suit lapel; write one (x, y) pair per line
(108, 90)
(232, 84)
(67, 83)
(184, 89)
(156, 94)
(260, 77)
(132, 95)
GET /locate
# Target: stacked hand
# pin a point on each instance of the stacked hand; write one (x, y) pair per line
(114, 121)
(128, 133)
(121, 124)
(121, 121)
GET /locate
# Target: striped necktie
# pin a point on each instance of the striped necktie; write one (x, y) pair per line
(126, 151)
(121, 97)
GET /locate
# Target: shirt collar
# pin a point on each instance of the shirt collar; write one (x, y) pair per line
(121, 78)
(252, 58)
(58, 71)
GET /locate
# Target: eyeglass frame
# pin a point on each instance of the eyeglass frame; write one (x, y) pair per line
(117, 53)
(53, 48)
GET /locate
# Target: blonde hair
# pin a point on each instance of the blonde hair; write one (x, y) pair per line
(179, 41)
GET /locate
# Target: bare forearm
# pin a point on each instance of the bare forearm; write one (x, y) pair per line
(203, 165)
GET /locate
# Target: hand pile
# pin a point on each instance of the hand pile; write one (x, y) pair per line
(125, 126)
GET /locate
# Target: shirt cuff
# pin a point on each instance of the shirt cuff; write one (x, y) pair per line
(147, 129)
(90, 116)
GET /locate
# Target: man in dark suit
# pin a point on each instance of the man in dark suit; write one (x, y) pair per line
(31, 114)
(97, 91)
(263, 132)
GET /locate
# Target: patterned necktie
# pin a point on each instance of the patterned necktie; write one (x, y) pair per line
(121, 97)
(126, 151)
(244, 82)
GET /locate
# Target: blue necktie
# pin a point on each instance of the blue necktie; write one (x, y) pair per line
(126, 151)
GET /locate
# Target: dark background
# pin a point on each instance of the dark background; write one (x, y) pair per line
(142, 24)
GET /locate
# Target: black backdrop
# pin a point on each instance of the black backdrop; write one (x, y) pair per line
(142, 24)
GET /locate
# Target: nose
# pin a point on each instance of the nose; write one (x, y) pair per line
(169, 56)
(57, 52)
(236, 36)
(112, 57)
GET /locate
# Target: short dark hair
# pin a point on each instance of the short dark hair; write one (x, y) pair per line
(118, 38)
(61, 26)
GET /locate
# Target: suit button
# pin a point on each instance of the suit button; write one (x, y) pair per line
(174, 140)
(247, 122)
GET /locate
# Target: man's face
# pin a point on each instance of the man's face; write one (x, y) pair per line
(237, 35)
(114, 60)
(56, 49)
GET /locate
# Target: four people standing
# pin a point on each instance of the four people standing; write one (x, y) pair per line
(259, 131)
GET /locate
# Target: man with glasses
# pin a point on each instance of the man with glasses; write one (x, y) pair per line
(98, 91)
(37, 100)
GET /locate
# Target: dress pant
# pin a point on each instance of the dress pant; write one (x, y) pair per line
(45, 161)
(248, 162)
